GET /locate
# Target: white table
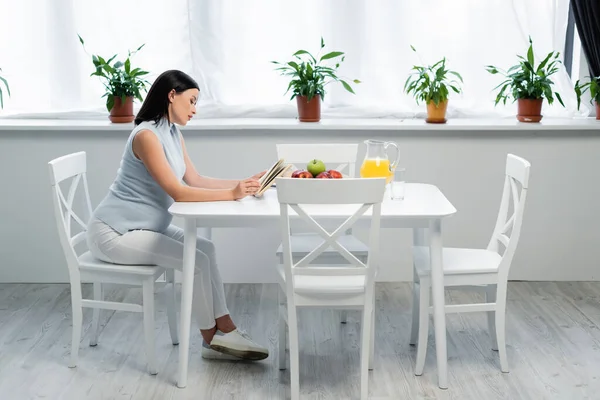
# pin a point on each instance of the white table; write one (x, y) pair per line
(423, 207)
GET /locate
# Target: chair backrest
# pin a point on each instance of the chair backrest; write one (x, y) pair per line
(338, 156)
(71, 166)
(508, 228)
(327, 197)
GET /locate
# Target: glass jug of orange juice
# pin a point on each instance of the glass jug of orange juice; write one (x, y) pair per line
(376, 163)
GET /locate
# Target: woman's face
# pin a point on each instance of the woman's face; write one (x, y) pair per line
(182, 106)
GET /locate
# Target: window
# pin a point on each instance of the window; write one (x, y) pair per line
(227, 46)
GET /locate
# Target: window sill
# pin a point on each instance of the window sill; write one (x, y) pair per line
(347, 124)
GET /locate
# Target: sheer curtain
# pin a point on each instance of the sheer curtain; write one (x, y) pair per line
(227, 45)
(47, 68)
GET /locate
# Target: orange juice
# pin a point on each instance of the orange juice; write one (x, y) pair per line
(376, 168)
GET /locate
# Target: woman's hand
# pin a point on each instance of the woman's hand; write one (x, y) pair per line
(246, 187)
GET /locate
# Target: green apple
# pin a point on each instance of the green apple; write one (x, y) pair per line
(315, 167)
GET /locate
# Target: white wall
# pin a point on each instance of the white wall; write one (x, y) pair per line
(561, 232)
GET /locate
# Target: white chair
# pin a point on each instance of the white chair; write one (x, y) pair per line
(346, 286)
(338, 156)
(480, 269)
(83, 266)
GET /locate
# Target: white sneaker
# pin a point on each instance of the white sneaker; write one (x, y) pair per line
(210, 354)
(239, 344)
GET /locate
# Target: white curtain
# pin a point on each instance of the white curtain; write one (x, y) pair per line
(47, 68)
(227, 46)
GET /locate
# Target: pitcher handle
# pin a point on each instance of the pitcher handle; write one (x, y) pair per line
(395, 163)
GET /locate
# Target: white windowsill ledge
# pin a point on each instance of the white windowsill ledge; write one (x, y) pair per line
(459, 124)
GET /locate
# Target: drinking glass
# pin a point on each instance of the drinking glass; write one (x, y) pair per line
(398, 184)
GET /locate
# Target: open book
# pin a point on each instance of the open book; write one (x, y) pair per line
(266, 181)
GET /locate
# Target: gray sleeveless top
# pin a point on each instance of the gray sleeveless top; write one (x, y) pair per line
(135, 200)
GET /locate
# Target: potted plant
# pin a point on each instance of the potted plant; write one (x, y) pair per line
(122, 84)
(309, 78)
(594, 87)
(528, 84)
(7, 90)
(430, 84)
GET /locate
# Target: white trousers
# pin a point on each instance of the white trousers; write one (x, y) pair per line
(165, 249)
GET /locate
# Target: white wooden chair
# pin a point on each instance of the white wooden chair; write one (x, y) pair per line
(84, 267)
(480, 269)
(346, 286)
(338, 156)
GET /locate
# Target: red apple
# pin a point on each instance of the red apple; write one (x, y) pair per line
(335, 174)
(304, 175)
(296, 173)
(323, 175)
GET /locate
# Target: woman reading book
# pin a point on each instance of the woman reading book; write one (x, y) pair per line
(132, 224)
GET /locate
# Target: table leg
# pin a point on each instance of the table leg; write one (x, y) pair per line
(437, 289)
(187, 292)
(418, 236)
(207, 233)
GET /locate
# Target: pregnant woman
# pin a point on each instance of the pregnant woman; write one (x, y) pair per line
(132, 224)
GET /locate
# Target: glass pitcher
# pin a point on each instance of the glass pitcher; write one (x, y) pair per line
(376, 163)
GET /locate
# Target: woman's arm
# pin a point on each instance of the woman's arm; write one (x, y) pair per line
(194, 179)
(149, 150)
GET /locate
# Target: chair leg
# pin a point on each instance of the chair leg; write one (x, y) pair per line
(372, 338)
(501, 328)
(365, 350)
(96, 314)
(344, 316)
(77, 312)
(148, 306)
(490, 297)
(425, 288)
(282, 331)
(294, 352)
(171, 310)
(500, 335)
(414, 327)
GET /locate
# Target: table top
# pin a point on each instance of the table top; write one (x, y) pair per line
(420, 201)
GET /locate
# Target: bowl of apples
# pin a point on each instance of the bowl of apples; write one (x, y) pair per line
(318, 170)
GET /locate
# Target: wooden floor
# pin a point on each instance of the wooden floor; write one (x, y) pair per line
(553, 340)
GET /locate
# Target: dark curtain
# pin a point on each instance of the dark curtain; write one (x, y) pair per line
(587, 19)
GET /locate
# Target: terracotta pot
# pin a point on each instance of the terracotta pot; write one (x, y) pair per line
(309, 111)
(436, 114)
(598, 110)
(529, 110)
(122, 112)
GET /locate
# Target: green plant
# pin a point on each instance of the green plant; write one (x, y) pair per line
(430, 83)
(309, 77)
(7, 90)
(525, 81)
(593, 86)
(119, 79)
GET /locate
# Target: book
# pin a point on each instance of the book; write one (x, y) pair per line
(266, 181)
